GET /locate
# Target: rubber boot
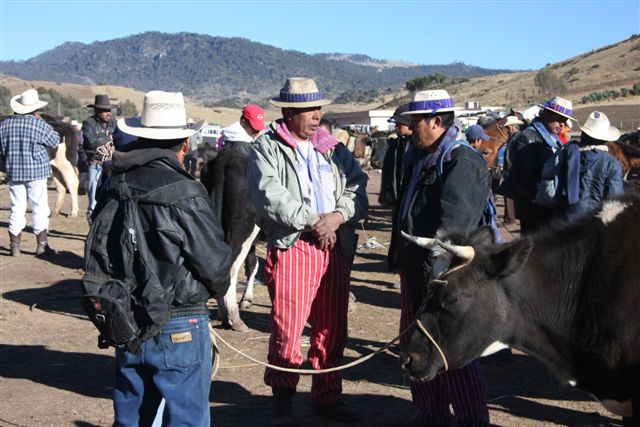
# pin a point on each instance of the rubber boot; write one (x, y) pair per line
(43, 248)
(14, 243)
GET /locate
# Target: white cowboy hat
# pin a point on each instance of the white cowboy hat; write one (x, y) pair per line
(560, 106)
(299, 92)
(512, 121)
(27, 102)
(598, 126)
(163, 117)
(431, 101)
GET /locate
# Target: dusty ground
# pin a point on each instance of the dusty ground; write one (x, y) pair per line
(53, 374)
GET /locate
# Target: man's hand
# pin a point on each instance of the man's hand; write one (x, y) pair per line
(328, 243)
(327, 225)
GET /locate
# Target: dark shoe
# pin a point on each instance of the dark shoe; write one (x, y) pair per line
(338, 412)
(282, 413)
(14, 244)
(43, 248)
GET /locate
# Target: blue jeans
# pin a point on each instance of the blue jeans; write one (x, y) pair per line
(95, 171)
(176, 365)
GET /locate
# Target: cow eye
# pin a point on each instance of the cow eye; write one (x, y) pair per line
(449, 301)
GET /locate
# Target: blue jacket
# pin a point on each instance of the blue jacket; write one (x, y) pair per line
(600, 177)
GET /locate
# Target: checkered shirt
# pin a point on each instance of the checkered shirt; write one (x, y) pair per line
(24, 140)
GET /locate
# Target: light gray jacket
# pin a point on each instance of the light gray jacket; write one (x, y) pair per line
(275, 190)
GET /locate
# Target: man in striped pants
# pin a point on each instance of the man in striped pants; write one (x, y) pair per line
(309, 192)
(430, 203)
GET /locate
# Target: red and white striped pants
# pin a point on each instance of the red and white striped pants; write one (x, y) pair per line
(306, 283)
(465, 388)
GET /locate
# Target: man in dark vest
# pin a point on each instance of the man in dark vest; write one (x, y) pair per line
(97, 132)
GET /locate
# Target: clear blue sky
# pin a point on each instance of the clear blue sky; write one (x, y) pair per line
(515, 34)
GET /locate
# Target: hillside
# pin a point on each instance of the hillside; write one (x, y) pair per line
(608, 68)
(214, 68)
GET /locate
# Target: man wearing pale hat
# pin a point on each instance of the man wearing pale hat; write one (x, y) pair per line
(598, 175)
(97, 132)
(24, 140)
(192, 261)
(309, 193)
(392, 163)
(529, 150)
(431, 204)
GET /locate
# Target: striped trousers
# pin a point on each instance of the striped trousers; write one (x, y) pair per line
(307, 284)
(464, 389)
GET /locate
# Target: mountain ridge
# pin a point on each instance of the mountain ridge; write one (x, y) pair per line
(214, 68)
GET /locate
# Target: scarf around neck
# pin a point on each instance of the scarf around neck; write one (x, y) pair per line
(321, 141)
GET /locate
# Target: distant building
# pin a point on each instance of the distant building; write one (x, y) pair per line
(375, 118)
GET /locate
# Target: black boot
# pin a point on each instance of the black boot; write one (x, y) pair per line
(282, 414)
(14, 244)
(43, 248)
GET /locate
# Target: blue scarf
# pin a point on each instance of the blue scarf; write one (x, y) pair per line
(422, 159)
(551, 140)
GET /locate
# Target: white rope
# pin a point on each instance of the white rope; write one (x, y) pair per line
(433, 341)
(311, 371)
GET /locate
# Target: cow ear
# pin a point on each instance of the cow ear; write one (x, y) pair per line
(511, 257)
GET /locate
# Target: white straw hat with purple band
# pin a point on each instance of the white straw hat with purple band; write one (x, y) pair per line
(561, 106)
(431, 102)
(300, 92)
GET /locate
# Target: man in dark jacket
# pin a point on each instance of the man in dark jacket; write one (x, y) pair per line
(429, 205)
(97, 144)
(193, 264)
(392, 163)
(529, 150)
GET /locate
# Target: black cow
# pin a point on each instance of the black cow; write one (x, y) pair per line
(225, 178)
(569, 295)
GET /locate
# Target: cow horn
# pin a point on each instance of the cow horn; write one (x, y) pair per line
(424, 242)
(467, 253)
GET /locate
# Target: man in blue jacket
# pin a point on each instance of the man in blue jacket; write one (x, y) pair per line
(431, 204)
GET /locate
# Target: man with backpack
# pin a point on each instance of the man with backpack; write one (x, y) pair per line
(529, 151)
(445, 188)
(147, 295)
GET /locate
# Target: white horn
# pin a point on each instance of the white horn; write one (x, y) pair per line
(467, 253)
(424, 242)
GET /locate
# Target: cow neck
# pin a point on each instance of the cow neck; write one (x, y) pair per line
(535, 325)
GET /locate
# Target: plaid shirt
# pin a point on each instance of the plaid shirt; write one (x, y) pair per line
(24, 140)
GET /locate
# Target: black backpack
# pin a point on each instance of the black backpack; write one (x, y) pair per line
(123, 295)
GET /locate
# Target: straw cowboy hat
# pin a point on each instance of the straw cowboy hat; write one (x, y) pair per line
(597, 126)
(27, 102)
(101, 102)
(512, 121)
(431, 101)
(163, 117)
(560, 106)
(300, 92)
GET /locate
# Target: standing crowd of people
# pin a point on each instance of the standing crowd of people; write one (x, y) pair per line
(309, 194)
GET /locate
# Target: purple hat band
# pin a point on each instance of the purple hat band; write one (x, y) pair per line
(434, 105)
(558, 108)
(299, 97)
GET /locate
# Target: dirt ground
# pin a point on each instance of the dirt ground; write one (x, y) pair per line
(53, 374)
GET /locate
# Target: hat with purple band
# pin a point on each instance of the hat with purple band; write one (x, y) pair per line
(431, 102)
(300, 92)
(560, 106)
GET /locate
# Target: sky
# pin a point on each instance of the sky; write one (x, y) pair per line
(504, 34)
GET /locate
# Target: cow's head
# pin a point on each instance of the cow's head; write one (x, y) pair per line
(465, 302)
